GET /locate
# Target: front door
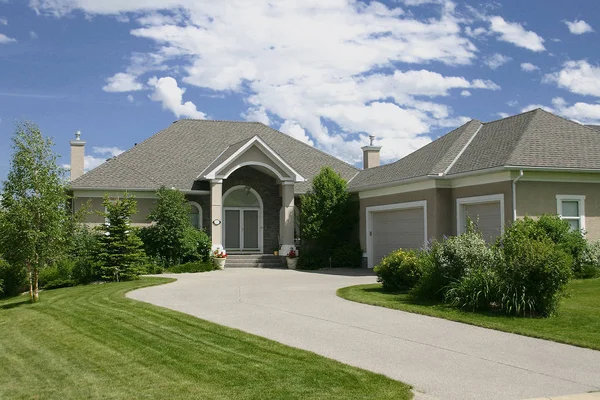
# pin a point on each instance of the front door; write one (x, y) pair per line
(241, 229)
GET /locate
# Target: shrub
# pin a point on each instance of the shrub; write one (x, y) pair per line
(449, 259)
(346, 255)
(57, 275)
(14, 279)
(400, 270)
(590, 261)
(197, 245)
(84, 254)
(191, 267)
(533, 274)
(477, 290)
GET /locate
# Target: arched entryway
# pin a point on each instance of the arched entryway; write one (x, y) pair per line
(242, 220)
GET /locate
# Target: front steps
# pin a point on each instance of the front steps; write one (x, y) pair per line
(253, 261)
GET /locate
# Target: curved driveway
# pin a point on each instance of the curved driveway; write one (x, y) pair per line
(441, 359)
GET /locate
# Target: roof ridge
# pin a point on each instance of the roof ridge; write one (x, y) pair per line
(517, 144)
(464, 148)
(217, 120)
(513, 116)
(309, 146)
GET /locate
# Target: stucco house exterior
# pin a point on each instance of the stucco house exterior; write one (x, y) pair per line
(243, 180)
(528, 164)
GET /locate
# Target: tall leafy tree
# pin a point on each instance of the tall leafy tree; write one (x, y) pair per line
(121, 253)
(166, 238)
(32, 226)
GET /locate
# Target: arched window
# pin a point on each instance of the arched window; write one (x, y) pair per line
(241, 198)
(195, 214)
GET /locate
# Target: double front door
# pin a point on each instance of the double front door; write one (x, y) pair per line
(241, 227)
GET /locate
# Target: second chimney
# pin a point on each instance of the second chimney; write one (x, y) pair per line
(77, 156)
(371, 154)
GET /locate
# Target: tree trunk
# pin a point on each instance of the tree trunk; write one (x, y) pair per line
(30, 281)
(36, 294)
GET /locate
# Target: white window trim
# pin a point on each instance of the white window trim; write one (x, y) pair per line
(572, 197)
(460, 212)
(199, 207)
(260, 209)
(390, 207)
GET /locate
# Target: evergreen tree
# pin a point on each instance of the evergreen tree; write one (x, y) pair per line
(121, 253)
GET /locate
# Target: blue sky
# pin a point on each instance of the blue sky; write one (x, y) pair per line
(328, 72)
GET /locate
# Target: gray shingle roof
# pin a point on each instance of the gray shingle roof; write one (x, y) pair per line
(535, 139)
(175, 156)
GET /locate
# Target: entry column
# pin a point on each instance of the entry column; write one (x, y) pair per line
(288, 215)
(216, 213)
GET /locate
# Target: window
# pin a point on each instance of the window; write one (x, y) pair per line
(571, 208)
(195, 214)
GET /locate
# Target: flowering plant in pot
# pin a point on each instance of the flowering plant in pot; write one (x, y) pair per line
(219, 258)
(292, 258)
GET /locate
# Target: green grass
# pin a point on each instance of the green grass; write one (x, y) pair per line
(92, 342)
(577, 322)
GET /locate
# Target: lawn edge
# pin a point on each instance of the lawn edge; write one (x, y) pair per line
(343, 293)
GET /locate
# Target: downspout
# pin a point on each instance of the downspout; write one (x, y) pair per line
(514, 195)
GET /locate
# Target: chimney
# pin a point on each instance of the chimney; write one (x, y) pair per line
(77, 153)
(370, 154)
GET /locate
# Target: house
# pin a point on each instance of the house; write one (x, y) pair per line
(243, 180)
(528, 164)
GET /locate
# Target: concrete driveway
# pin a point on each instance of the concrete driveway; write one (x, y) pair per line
(441, 359)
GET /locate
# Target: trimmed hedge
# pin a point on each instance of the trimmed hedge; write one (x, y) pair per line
(198, 266)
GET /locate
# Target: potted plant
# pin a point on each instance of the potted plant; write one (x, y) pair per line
(292, 258)
(276, 251)
(219, 258)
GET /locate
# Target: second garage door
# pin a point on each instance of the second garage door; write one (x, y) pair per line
(488, 218)
(396, 229)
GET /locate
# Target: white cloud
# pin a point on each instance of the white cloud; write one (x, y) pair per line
(5, 39)
(130, 98)
(311, 62)
(512, 103)
(578, 77)
(496, 60)
(477, 32)
(257, 114)
(33, 35)
(294, 129)
(111, 151)
(503, 114)
(171, 96)
(529, 67)
(584, 113)
(3, 21)
(578, 27)
(465, 93)
(122, 82)
(513, 32)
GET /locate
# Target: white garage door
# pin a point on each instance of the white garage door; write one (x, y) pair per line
(488, 218)
(392, 230)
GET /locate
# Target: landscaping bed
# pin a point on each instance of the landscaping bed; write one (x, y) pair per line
(92, 342)
(577, 322)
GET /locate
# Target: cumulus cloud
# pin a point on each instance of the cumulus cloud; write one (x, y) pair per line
(529, 67)
(496, 60)
(294, 129)
(312, 62)
(513, 32)
(502, 114)
(465, 93)
(584, 113)
(257, 114)
(170, 95)
(122, 82)
(5, 39)
(578, 77)
(130, 98)
(578, 27)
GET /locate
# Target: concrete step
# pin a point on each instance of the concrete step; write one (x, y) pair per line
(253, 261)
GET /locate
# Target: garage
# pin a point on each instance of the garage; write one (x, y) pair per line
(487, 213)
(395, 226)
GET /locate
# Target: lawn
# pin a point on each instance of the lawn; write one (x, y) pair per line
(92, 342)
(577, 323)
